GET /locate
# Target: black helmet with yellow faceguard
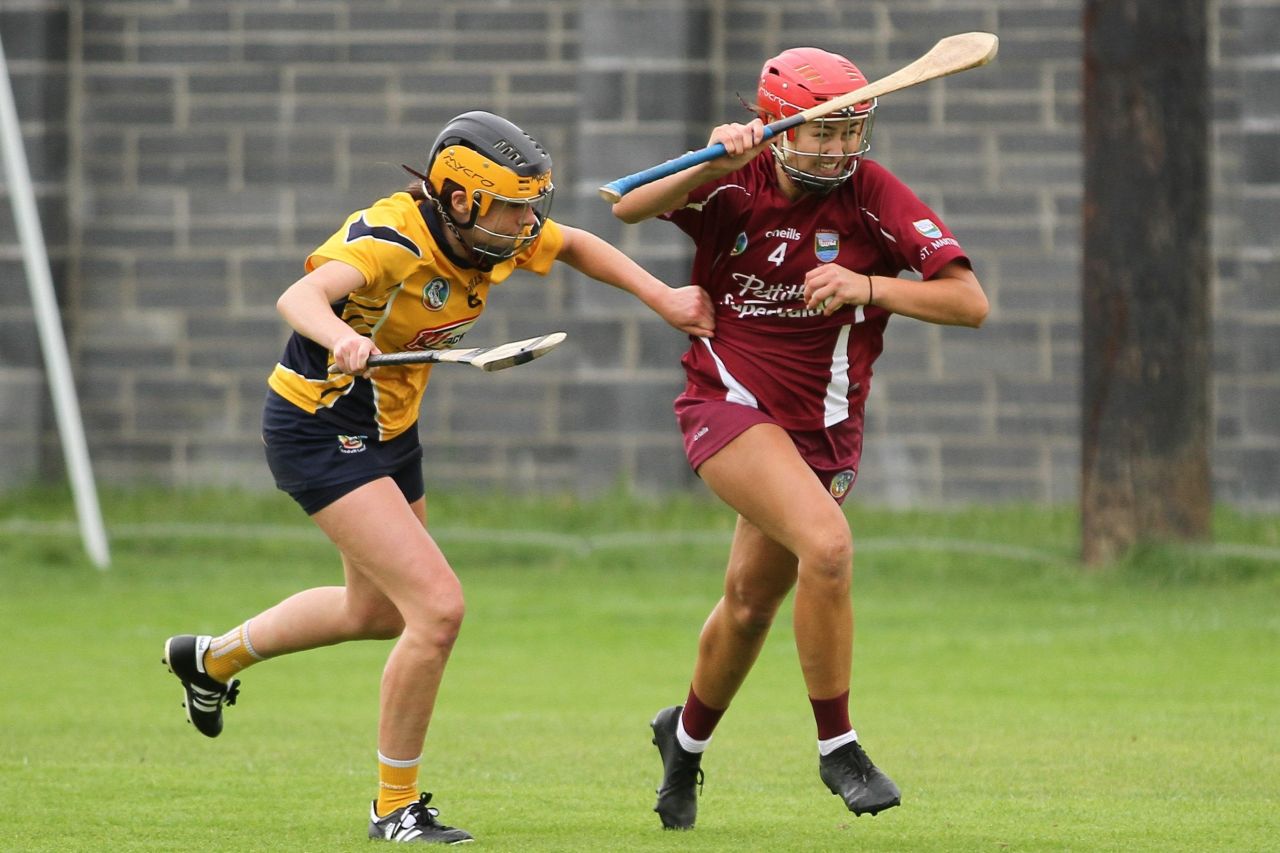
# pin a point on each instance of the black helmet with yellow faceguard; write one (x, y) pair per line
(492, 160)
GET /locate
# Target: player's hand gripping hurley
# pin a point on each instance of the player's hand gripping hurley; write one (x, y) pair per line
(949, 56)
(487, 359)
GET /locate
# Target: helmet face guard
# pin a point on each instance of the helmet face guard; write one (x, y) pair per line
(826, 170)
(804, 77)
(506, 176)
(505, 210)
(518, 229)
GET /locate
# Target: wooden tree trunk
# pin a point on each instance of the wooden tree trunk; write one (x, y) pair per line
(1146, 345)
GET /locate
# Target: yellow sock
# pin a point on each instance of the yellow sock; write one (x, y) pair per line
(230, 653)
(397, 783)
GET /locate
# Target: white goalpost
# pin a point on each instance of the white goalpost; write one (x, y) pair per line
(53, 344)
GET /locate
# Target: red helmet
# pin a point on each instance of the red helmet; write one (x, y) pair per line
(804, 77)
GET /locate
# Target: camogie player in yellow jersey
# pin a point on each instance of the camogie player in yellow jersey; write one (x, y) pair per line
(411, 272)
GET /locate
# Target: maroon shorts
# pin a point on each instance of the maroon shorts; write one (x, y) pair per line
(833, 453)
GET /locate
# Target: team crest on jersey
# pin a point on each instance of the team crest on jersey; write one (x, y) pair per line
(435, 294)
(351, 443)
(740, 244)
(841, 482)
(826, 245)
(927, 228)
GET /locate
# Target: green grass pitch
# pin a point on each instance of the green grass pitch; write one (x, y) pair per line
(1020, 703)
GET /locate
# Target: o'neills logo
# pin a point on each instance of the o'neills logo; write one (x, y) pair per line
(784, 233)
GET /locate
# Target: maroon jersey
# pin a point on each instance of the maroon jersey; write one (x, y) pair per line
(753, 248)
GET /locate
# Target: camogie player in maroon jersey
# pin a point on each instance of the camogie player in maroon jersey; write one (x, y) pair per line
(800, 243)
(413, 271)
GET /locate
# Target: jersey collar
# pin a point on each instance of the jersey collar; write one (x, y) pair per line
(432, 218)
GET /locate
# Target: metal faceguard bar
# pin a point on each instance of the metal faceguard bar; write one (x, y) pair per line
(541, 206)
(784, 152)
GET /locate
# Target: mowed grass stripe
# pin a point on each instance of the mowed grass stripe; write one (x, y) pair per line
(585, 544)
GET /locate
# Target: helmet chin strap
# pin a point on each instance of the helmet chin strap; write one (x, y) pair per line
(806, 182)
(482, 263)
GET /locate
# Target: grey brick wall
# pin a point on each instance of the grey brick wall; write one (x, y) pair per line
(36, 46)
(188, 155)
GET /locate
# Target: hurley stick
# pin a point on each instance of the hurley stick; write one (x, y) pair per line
(949, 56)
(487, 359)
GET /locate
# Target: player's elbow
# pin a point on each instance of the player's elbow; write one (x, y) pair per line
(628, 213)
(285, 303)
(969, 305)
(978, 311)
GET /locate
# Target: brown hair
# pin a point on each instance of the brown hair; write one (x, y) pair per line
(415, 187)
(421, 193)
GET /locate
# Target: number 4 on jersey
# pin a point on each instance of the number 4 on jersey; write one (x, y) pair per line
(779, 254)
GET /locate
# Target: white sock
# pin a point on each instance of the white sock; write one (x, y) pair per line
(687, 743)
(826, 747)
(399, 762)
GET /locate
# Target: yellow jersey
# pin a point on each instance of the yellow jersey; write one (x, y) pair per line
(417, 295)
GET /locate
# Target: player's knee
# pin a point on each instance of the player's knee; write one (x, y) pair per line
(751, 613)
(753, 619)
(450, 621)
(828, 560)
(440, 619)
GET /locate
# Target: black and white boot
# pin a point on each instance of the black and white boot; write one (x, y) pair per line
(414, 822)
(205, 695)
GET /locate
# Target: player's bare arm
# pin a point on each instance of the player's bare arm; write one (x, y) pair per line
(307, 306)
(742, 142)
(953, 297)
(685, 308)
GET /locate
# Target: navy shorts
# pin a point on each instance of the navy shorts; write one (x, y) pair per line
(316, 464)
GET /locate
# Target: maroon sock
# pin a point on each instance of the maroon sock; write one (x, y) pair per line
(699, 719)
(831, 715)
